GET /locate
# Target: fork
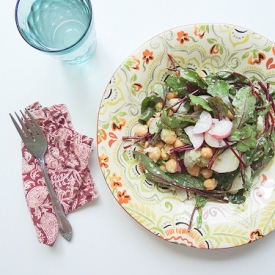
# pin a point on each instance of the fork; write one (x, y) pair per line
(36, 143)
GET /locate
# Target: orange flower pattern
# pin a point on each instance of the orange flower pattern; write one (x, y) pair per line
(199, 34)
(214, 49)
(101, 135)
(113, 139)
(118, 125)
(135, 66)
(115, 180)
(132, 63)
(136, 87)
(147, 56)
(256, 235)
(260, 56)
(123, 197)
(192, 240)
(103, 161)
(270, 64)
(183, 37)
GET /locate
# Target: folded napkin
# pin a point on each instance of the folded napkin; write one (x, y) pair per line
(66, 161)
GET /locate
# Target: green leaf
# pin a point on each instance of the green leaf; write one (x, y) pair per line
(177, 84)
(211, 40)
(237, 198)
(225, 179)
(159, 89)
(247, 138)
(193, 77)
(244, 104)
(143, 65)
(175, 121)
(219, 108)
(261, 155)
(246, 55)
(219, 88)
(200, 203)
(152, 170)
(186, 180)
(133, 78)
(268, 49)
(232, 77)
(154, 173)
(201, 28)
(148, 113)
(105, 126)
(235, 135)
(150, 101)
(196, 100)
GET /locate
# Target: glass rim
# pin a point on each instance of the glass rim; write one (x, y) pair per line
(52, 51)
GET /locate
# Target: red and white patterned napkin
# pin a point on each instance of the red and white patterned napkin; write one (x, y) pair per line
(66, 161)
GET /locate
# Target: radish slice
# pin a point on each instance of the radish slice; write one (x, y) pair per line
(203, 124)
(221, 129)
(196, 139)
(226, 162)
(213, 142)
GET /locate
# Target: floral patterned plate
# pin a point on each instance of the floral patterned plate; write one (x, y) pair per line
(205, 48)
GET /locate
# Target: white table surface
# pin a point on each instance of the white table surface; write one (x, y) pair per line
(106, 240)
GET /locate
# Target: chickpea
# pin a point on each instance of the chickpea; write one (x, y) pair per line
(178, 143)
(207, 152)
(163, 167)
(154, 153)
(159, 106)
(168, 136)
(171, 95)
(210, 184)
(168, 148)
(171, 166)
(141, 130)
(230, 115)
(160, 144)
(164, 154)
(194, 171)
(206, 173)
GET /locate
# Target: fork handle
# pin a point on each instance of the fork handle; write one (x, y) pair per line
(63, 224)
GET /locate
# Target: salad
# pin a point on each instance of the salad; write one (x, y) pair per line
(207, 135)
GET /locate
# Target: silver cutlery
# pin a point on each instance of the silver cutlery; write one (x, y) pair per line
(36, 143)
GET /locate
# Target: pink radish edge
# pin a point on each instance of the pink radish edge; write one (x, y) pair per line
(221, 129)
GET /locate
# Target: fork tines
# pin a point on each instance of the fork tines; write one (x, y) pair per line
(24, 132)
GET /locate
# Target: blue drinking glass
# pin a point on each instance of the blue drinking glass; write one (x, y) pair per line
(61, 28)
